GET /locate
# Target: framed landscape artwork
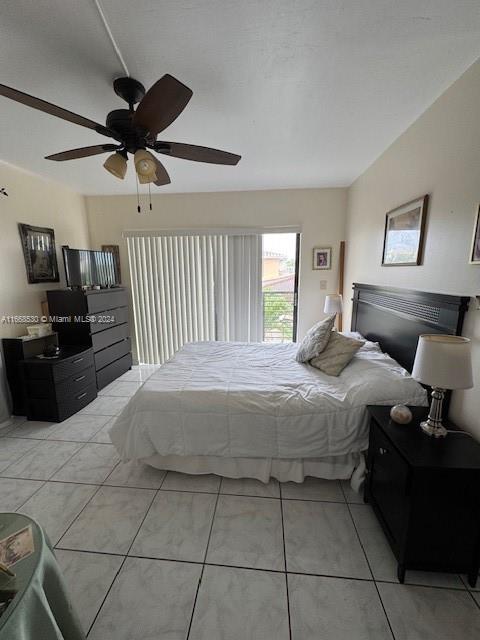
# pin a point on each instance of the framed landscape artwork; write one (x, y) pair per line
(404, 234)
(39, 252)
(322, 258)
(475, 251)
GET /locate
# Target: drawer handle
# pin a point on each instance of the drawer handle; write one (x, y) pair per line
(382, 451)
(77, 360)
(82, 395)
(79, 378)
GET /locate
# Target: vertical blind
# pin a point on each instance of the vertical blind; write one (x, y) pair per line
(189, 288)
(238, 288)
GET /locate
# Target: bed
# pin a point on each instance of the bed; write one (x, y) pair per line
(250, 410)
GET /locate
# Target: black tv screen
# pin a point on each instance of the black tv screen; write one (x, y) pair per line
(86, 268)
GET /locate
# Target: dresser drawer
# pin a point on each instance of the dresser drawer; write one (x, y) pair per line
(108, 355)
(106, 338)
(106, 300)
(113, 371)
(108, 319)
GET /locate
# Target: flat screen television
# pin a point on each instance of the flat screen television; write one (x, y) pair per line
(84, 268)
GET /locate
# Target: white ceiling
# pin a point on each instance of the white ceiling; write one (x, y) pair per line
(309, 92)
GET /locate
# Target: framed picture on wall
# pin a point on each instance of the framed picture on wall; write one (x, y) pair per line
(39, 252)
(404, 234)
(475, 251)
(322, 258)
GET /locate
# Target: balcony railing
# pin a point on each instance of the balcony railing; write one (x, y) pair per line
(278, 310)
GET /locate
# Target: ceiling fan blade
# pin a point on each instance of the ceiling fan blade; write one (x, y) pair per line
(161, 173)
(196, 153)
(83, 152)
(162, 104)
(53, 110)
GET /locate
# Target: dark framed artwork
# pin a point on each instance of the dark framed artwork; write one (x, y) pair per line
(322, 258)
(475, 251)
(404, 234)
(114, 249)
(39, 252)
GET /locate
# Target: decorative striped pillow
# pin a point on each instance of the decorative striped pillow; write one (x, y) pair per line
(315, 340)
(337, 354)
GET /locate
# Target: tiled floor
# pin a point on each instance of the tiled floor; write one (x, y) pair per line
(148, 554)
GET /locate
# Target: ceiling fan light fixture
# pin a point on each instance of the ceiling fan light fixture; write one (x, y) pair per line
(145, 166)
(151, 177)
(116, 165)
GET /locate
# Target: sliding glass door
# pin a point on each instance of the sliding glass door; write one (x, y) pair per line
(219, 286)
(280, 258)
(191, 288)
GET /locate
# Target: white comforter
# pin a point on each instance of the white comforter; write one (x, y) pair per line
(254, 400)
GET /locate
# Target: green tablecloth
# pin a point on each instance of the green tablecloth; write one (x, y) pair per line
(41, 609)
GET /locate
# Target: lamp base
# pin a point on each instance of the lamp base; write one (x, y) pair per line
(433, 424)
(435, 430)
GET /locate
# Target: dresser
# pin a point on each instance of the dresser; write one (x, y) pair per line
(425, 493)
(97, 319)
(56, 388)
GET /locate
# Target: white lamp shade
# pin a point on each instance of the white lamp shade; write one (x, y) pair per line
(443, 361)
(333, 303)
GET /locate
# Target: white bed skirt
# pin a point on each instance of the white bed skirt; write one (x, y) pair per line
(350, 466)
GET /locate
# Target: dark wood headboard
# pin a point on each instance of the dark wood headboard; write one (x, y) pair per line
(396, 317)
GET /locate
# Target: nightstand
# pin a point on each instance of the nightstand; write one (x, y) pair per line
(56, 388)
(425, 493)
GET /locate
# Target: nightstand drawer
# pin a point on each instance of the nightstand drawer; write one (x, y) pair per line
(59, 369)
(76, 401)
(71, 366)
(45, 409)
(74, 385)
(46, 388)
(388, 481)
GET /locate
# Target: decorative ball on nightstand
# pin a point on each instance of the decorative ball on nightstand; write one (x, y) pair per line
(401, 414)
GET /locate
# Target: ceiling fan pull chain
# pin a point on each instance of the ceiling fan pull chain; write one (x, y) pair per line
(139, 210)
(149, 197)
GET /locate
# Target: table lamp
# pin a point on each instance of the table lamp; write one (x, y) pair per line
(442, 362)
(333, 304)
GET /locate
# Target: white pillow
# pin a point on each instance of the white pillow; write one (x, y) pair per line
(315, 340)
(367, 346)
(337, 354)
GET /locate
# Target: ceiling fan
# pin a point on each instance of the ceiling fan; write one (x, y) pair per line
(135, 130)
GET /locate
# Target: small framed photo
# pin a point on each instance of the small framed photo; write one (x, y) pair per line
(322, 258)
(475, 251)
(17, 546)
(39, 253)
(404, 234)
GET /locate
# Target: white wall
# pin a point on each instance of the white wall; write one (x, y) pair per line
(439, 155)
(320, 212)
(39, 202)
